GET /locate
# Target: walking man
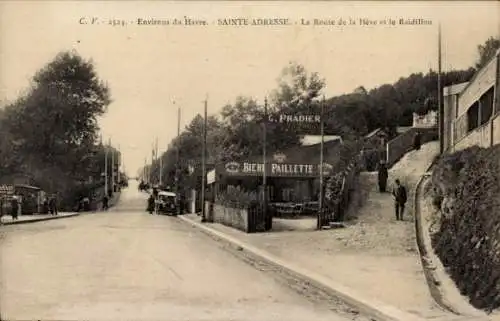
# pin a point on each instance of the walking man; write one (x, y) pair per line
(383, 174)
(400, 198)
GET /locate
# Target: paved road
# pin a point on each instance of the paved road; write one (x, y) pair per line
(128, 265)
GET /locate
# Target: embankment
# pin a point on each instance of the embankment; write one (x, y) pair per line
(466, 190)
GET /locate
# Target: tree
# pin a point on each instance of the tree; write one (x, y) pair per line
(55, 121)
(487, 51)
(297, 88)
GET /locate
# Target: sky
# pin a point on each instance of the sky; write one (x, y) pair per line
(152, 70)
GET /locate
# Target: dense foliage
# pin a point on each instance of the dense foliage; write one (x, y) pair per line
(50, 133)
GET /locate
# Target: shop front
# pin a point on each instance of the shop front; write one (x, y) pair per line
(292, 178)
(286, 182)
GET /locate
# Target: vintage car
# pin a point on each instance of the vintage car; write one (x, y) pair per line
(166, 203)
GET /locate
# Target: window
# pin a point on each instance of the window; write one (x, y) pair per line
(473, 117)
(486, 103)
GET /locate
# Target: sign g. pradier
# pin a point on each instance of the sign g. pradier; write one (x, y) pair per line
(284, 118)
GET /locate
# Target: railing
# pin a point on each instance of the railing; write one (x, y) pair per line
(486, 135)
(335, 209)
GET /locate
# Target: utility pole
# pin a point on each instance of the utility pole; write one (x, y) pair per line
(177, 169)
(106, 148)
(156, 159)
(161, 169)
(264, 161)
(321, 162)
(440, 93)
(204, 165)
(153, 158)
(113, 170)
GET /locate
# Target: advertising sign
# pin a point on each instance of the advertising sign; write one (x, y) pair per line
(295, 119)
(276, 169)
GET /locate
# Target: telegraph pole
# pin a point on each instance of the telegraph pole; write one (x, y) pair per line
(161, 170)
(106, 167)
(113, 170)
(321, 161)
(440, 107)
(264, 160)
(177, 189)
(204, 165)
(156, 159)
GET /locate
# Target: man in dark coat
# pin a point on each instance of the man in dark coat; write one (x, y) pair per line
(383, 174)
(14, 207)
(105, 203)
(151, 204)
(417, 141)
(53, 205)
(400, 198)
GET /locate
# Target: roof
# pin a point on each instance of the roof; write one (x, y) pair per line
(166, 193)
(27, 186)
(403, 129)
(455, 89)
(481, 71)
(375, 132)
(308, 140)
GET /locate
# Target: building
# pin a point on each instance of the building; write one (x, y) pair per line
(292, 175)
(472, 110)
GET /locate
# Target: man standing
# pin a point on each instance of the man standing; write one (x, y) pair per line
(14, 207)
(383, 174)
(105, 202)
(417, 141)
(400, 197)
(53, 205)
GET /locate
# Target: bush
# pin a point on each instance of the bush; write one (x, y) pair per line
(237, 197)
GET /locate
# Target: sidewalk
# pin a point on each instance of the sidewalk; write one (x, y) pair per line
(393, 280)
(7, 219)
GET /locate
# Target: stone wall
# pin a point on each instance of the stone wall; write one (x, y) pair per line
(402, 144)
(467, 191)
(248, 220)
(234, 217)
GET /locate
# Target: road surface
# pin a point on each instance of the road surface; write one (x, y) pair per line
(126, 264)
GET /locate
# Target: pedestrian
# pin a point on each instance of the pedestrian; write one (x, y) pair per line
(417, 141)
(53, 205)
(86, 204)
(45, 206)
(383, 174)
(151, 204)
(105, 201)
(400, 198)
(14, 207)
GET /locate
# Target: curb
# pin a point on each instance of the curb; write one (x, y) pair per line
(40, 219)
(430, 277)
(378, 310)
